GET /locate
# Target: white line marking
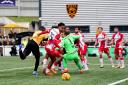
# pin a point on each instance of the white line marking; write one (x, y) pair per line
(39, 66)
(118, 82)
(99, 64)
(16, 69)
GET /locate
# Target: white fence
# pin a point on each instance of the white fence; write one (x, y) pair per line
(5, 50)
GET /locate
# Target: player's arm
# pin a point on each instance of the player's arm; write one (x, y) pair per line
(106, 40)
(75, 37)
(45, 36)
(96, 42)
(57, 44)
(112, 41)
(123, 41)
(43, 32)
(62, 46)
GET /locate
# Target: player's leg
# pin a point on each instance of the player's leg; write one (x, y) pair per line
(74, 57)
(48, 69)
(45, 61)
(36, 53)
(117, 61)
(26, 51)
(58, 56)
(77, 62)
(106, 51)
(65, 64)
(60, 64)
(83, 59)
(85, 52)
(117, 57)
(121, 58)
(55, 64)
(100, 50)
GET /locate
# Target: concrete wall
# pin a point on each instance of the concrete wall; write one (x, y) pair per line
(22, 8)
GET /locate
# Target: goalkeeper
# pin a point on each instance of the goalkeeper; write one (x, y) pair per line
(71, 51)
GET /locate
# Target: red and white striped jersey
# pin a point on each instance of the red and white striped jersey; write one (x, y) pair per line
(54, 39)
(101, 38)
(118, 38)
(80, 42)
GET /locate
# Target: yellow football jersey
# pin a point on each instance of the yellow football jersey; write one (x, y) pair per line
(38, 38)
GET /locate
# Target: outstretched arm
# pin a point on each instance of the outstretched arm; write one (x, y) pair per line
(75, 37)
(44, 32)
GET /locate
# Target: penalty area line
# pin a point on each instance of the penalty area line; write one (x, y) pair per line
(118, 82)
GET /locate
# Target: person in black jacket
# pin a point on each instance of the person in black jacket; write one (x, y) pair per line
(13, 51)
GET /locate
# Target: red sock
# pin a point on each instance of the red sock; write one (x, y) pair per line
(117, 58)
(121, 58)
(109, 57)
(100, 56)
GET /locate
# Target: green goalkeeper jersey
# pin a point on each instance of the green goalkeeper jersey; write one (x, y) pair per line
(68, 43)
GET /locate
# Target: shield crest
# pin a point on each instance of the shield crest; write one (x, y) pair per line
(72, 10)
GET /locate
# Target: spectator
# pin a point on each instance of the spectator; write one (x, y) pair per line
(13, 51)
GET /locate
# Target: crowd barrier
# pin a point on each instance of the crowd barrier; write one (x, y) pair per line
(5, 50)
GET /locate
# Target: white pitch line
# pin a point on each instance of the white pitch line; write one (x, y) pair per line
(39, 66)
(99, 64)
(118, 82)
(12, 69)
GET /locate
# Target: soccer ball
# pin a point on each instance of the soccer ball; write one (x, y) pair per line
(66, 76)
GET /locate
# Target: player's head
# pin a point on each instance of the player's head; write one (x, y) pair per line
(67, 31)
(100, 29)
(116, 30)
(77, 29)
(42, 28)
(61, 27)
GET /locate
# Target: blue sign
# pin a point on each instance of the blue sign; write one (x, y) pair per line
(7, 3)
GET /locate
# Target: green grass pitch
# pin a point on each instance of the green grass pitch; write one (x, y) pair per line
(95, 76)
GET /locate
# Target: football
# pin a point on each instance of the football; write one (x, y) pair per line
(66, 76)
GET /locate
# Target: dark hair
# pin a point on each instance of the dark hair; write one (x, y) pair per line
(61, 24)
(42, 28)
(100, 28)
(78, 28)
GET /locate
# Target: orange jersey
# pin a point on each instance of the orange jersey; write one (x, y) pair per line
(37, 37)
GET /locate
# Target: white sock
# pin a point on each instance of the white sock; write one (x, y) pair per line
(85, 65)
(101, 61)
(53, 66)
(111, 61)
(118, 62)
(45, 63)
(122, 62)
(62, 67)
